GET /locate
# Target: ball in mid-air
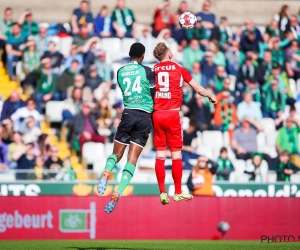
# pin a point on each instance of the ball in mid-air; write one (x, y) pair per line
(187, 20)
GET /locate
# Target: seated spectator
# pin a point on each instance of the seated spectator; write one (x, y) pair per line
(208, 18)
(293, 61)
(225, 89)
(82, 17)
(254, 170)
(3, 152)
(67, 173)
(283, 18)
(277, 52)
(249, 108)
(244, 139)
(273, 29)
(5, 27)
(208, 68)
(72, 106)
(249, 42)
(15, 150)
(93, 80)
(192, 54)
(254, 89)
(11, 104)
(54, 163)
(104, 69)
(12, 47)
(22, 113)
(249, 27)
(198, 32)
(123, 20)
(8, 131)
(284, 167)
(42, 39)
(42, 146)
(179, 34)
(287, 139)
(218, 56)
(82, 37)
(105, 90)
(196, 73)
(162, 18)
(266, 44)
(66, 79)
(149, 42)
(103, 113)
(219, 78)
(165, 36)
(200, 181)
(294, 27)
(246, 71)
(30, 131)
(31, 59)
(39, 173)
(225, 117)
(264, 67)
(55, 56)
(46, 85)
(222, 33)
(25, 162)
(224, 167)
(234, 57)
(29, 26)
(85, 127)
(74, 55)
(79, 82)
(102, 23)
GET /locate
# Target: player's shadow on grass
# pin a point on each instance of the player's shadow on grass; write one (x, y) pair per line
(105, 248)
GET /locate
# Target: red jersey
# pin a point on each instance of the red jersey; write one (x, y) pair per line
(169, 77)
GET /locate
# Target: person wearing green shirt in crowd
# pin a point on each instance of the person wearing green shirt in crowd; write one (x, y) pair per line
(5, 24)
(253, 88)
(219, 78)
(123, 20)
(31, 59)
(218, 56)
(46, 84)
(199, 32)
(192, 54)
(224, 166)
(284, 167)
(196, 72)
(29, 26)
(104, 69)
(273, 29)
(277, 53)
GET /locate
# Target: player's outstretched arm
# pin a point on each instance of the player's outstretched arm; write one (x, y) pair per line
(202, 91)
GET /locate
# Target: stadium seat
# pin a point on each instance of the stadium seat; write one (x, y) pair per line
(270, 150)
(93, 152)
(185, 123)
(206, 150)
(293, 87)
(212, 138)
(239, 165)
(226, 138)
(261, 139)
(271, 138)
(65, 44)
(268, 125)
(54, 111)
(295, 178)
(242, 178)
(272, 176)
(113, 46)
(126, 43)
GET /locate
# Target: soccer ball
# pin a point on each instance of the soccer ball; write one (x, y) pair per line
(187, 20)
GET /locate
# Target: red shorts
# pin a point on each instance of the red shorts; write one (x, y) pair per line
(167, 129)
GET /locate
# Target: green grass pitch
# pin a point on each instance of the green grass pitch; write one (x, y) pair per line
(143, 245)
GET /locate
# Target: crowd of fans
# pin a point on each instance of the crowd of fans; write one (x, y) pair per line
(248, 70)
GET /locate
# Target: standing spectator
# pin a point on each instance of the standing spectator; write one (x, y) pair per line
(74, 55)
(21, 114)
(15, 150)
(198, 32)
(46, 85)
(30, 131)
(102, 23)
(208, 18)
(249, 108)
(196, 73)
(149, 42)
(72, 106)
(222, 33)
(42, 39)
(3, 152)
(11, 104)
(5, 29)
(218, 56)
(8, 131)
(208, 68)
(224, 167)
(162, 18)
(55, 56)
(234, 57)
(29, 26)
(31, 59)
(12, 48)
(54, 163)
(104, 69)
(249, 42)
(85, 127)
(93, 80)
(284, 167)
(25, 162)
(82, 17)
(283, 18)
(123, 20)
(183, 7)
(254, 170)
(192, 54)
(294, 27)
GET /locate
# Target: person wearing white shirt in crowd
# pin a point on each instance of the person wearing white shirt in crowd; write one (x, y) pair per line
(149, 42)
(249, 108)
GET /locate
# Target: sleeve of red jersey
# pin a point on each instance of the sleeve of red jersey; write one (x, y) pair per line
(186, 75)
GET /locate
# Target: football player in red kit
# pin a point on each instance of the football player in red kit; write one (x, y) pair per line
(167, 120)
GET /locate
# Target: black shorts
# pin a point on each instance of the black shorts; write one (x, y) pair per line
(135, 127)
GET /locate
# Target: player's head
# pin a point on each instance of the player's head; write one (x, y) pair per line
(161, 52)
(137, 52)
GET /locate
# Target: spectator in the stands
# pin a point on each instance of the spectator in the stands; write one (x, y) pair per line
(46, 84)
(254, 170)
(293, 61)
(165, 36)
(79, 82)
(22, 113)
(5, 29)
(196, 73)
(67, 173)
(283, 18)
(249, 108)
(54, 163)
(183, 7)
(208, 18)
(192, 54)
(113, 128)
(249, 42)
(25, 162)
(3, 152)
(198, 32)
(162, 18)
(208, 68)
(12, 48)
(226, 88)
(264, 67)
(222, 33)
(8, 131)
(149, 42)
(42, 39)
(82, 37)
(104, 68)
(218, 56)
(102, 23)
(219, 77)
(30, 132)
(74, 55)
(179, 34)
(105, 90)
(103, 113)
(250, 27)
(55, 56)
(82, 17)
(188, 98)
(284, 167)
(67, 79)
(31, 59)
(202, 114)
(11, 104)
(39, 173)
(200, 180)
(15, 150)
(234, 57)
(93, 80)
(42, 146)
(246, 71)
(273, 29)
(123, 20)
(277, 52)
(72, 106)
(85, 126)
(294, 26)
(29, 26)
(224, 165)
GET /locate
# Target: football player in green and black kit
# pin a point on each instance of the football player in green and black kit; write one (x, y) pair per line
(137, 83)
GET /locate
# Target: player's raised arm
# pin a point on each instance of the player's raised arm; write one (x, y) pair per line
(202, 91)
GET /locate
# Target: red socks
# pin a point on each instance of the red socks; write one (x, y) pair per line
(160, 174)
(177, 174)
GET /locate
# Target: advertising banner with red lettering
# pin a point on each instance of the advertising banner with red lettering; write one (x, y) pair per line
(138, 217)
